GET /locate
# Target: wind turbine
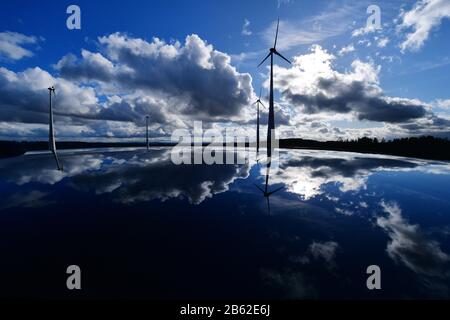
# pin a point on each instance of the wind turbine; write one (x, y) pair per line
(258, 102)
(271, 124)
(146, 123)
(51, 130)
(266, 191)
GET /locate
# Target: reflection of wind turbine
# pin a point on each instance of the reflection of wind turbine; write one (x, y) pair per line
(51, 130)
(258, 102)
(271, 123)
(265, 191)
(146, 124)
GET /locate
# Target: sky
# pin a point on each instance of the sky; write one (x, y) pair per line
(186, 61)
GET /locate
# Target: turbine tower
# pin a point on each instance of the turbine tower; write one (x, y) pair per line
(258, 102)
(51, 130)
(271, 122)
(146, 124)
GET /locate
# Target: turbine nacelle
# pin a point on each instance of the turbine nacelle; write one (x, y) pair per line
(273, 50)
(259, 102)
(266, 193)
(51, 135)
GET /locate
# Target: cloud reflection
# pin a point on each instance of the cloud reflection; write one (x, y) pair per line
(146, 177)
(128, 176)
(410, 246)
(306, 172)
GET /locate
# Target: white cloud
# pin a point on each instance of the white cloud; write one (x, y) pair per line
(245, 31)
(283, 2)
(312, 85)
(365, 42)
(364, 30)
(347, 49)
(324, 250)
(24, 96)
(382, 42)
(332, 22)
(410, 246)
(389, 59)
(445, 104)
(12, 45)
(198, 81)
(344, 212)
(108, 93)
(422, 18)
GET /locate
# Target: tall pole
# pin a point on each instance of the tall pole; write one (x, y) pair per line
(257, 131)
(271, 124)
(51, 130)
(146, 124)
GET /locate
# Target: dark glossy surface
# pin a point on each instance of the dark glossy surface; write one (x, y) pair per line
(142, 227)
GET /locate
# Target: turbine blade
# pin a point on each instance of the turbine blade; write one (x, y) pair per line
(260, 92)
(264, 59)
(263, 105)
(279, 54)
(276, 35)
(260, 189)
(275, 191)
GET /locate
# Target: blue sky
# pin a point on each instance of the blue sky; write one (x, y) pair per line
(346, 80)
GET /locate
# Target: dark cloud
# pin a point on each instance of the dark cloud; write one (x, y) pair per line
(326, 167)
(281, 117)
(92, 66)
(133, 110)
(24, 97)
(338, 97)
(110, 93)
(431, 125)
(206, 84)
(18, 103)
(312, 86)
